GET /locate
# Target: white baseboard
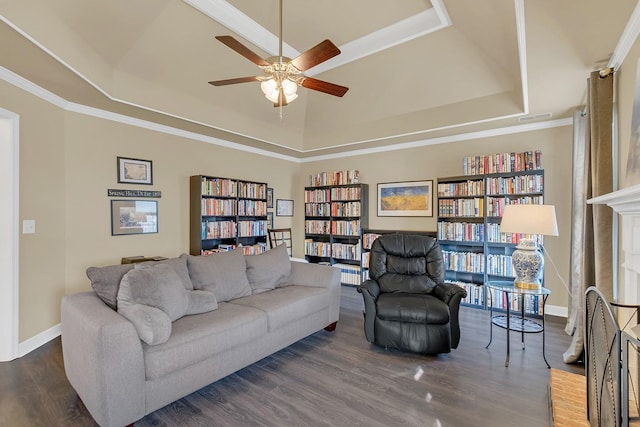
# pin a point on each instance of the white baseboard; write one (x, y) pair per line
(42, 338)
(556, 310)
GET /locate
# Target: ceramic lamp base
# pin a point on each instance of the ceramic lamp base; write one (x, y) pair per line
(528, 264)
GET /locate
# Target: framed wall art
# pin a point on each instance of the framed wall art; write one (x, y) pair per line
(284, 207)
(134, 171)
(269, 220)
(411, 198)
(134, 217)
(269, 197)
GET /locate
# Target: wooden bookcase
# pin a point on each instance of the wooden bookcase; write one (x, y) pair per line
(227, 213)
(334, 218)
(469, 212)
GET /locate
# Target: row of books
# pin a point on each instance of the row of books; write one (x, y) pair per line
(313, 248)
(460, 207)
(346, 228)
(368, 239)
(317, 196)
(516, 184)
(475, 293)
(461, 231)
(532, 303)
(219, 187)
(252, 208)
(346, 193)
(218, 207)
(500, 265)
(317, 226)
(317, 209)
(345, 209)
(252, 190)
(365, 259)
(495, 236)
(252, 228)
(334, 178)
(495, 205)
(470, 262)
(256, 249)
(502, 162)
(349, 274)
(345, 251)
(467, 188)
(218, 229)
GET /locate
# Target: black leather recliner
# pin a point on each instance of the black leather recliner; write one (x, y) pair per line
(408, 306)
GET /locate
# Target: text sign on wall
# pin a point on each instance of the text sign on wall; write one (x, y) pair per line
(112, 192)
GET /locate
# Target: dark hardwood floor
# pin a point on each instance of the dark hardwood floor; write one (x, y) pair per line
(330, 379)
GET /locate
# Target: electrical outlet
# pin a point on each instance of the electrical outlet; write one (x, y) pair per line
(29, 226)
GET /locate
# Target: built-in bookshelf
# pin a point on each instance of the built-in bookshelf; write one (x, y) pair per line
(469, 213)
(334, 218)
(370, 235)
(227, 213)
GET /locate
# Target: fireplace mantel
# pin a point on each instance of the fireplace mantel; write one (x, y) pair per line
(626, 202)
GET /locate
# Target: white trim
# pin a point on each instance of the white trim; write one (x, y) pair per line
(522, 54)
(38, 340)
(10, 284)
(556, 310)
(628, 38)
(446, 139)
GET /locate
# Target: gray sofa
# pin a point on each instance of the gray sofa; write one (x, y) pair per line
(120, 377)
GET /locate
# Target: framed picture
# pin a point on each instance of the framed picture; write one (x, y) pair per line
(269, 220)
(269, 197)
(134, 217)
(134, 171)
(284, 207)
(411, 198)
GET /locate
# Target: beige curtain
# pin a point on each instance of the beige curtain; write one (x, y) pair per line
(591, 234)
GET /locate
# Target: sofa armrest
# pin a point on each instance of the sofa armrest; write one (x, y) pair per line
(103, 359)
(370, 291)
(323, 276)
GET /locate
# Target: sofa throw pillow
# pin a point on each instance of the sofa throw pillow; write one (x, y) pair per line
(105, 281)
(223, 273)
(269, 270)
(153, 296)
(179, 264)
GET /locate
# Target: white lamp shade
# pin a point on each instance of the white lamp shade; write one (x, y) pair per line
(529, 219)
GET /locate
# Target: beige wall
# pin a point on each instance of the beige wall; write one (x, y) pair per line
(431, 162)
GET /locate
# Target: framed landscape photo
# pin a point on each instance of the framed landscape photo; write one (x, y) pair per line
(411, 198)
(284, 207)
(269, 197)
(134, 217)
(134, 171)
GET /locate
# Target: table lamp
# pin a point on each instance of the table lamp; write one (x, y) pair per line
(527, 260)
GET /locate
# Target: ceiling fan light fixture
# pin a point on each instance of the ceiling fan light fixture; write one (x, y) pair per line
(271, 90)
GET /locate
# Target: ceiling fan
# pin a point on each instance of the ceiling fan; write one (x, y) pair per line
(283, 75)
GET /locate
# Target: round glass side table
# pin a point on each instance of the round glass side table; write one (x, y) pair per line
(519, 322)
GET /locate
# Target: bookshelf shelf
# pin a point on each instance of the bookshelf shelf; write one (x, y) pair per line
(225, 213)
(474, 249)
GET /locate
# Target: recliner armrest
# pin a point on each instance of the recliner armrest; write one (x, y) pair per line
(452, 295)
(446, 291)
(370, 290)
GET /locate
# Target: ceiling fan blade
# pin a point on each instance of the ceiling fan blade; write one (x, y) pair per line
(316, 55)
(234, 81)
(282, 100)
(242, 50)
(322, 86)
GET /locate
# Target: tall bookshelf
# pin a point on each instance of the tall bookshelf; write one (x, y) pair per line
(369, 235)
(226, 213)
(334, 218)
(469, 213)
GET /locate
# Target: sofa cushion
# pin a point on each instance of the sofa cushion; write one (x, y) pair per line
(285, 305)
(153, 296)
(223, 273)
(196, 338)
(179, 264)
(105, 281)
(269, 270)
